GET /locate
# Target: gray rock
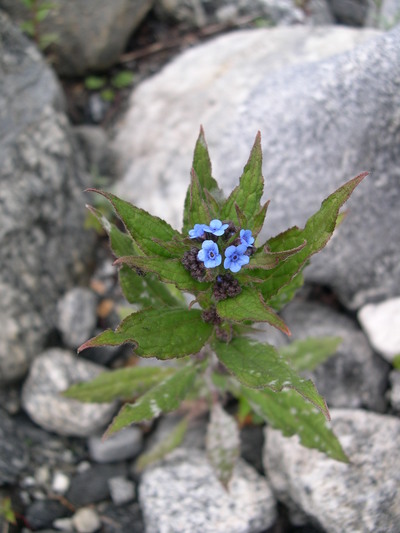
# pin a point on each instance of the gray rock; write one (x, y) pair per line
(77, 316)
(381, 323)
(51, 373)
(352, 12)
(91, 34)
(119, 519)
(13, 453)
(42, 513)
(256, 80)
(394, 392)
(122, 490)
(91, 485)
(123, 445)
(43, 248)
(100, 157)
(182, 495)
(354, 377)
(361, 496)
(86, 520)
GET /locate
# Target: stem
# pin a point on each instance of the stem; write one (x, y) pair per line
(35, 22)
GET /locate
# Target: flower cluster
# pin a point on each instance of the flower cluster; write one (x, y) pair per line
(236, 255)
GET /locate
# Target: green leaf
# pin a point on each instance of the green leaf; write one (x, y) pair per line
(259, 366)
(292, 414)
(317, 232)
(210, 193)
(142, 226)
(286, 293)
(247, 195)
(396, 361)
(42, 13)
(199, 212)
(141, 290)
(307, 354)
(46, 39)
(168, 270)
(122, 80)
(108, 95)
(28, 28)
(162, 448)
(163, 333)
(6, 511)
(124, 383)
(265, 260)
(28, 3)
(162, 398)
(94, 83)
(249, 305)
(222, 443)
(259, 218)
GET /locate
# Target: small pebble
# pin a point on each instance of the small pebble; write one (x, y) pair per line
(63, 524)
(60, 483)
(86, 520)
(122, 490)
(123, 445)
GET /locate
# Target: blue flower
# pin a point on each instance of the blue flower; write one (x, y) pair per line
(216, 227)
(246, 237)
(235, 257)
(209, 254)
(197, 231)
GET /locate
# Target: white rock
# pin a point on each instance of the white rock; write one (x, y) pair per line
(60, 483)
(122, 490)
(51, 373)
(86, 520)
(360, 497)
(381, 323)
(182, 495)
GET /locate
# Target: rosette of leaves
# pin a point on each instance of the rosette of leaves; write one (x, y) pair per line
(210, 337)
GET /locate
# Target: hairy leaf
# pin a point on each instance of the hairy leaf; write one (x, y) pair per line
(286, 293)
(162, 398)
(168, 270)
(247, 195)
(222, 443)
(259, 366)
(292, 414)
(307, 354)
(141, 290)
(118, 384)
(208, 187)
(164, 447)
(264, 259)
(142, 226)
(163, 333)
(317, 232)
(249, 305)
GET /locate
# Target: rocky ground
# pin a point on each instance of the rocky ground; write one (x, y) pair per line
(326, 101)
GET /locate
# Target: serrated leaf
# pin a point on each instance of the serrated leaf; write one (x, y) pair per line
(146, 290)
(141, 290)
(209, 187)
(249, 305)
(162, 398)
(317, 232)
(163, 333)
(259, 218)
(260, 366)
(222, 443)
(164, 447)
(247, 195)
(286, 294)
(199, 212)
(265, 260)
(292, 414)
(124, 383)
(307, 354)
(168, 270)
(142, 226)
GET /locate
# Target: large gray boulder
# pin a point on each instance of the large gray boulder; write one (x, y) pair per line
(361, 496)
(43, 249)
(323, 121)
(89, 34)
